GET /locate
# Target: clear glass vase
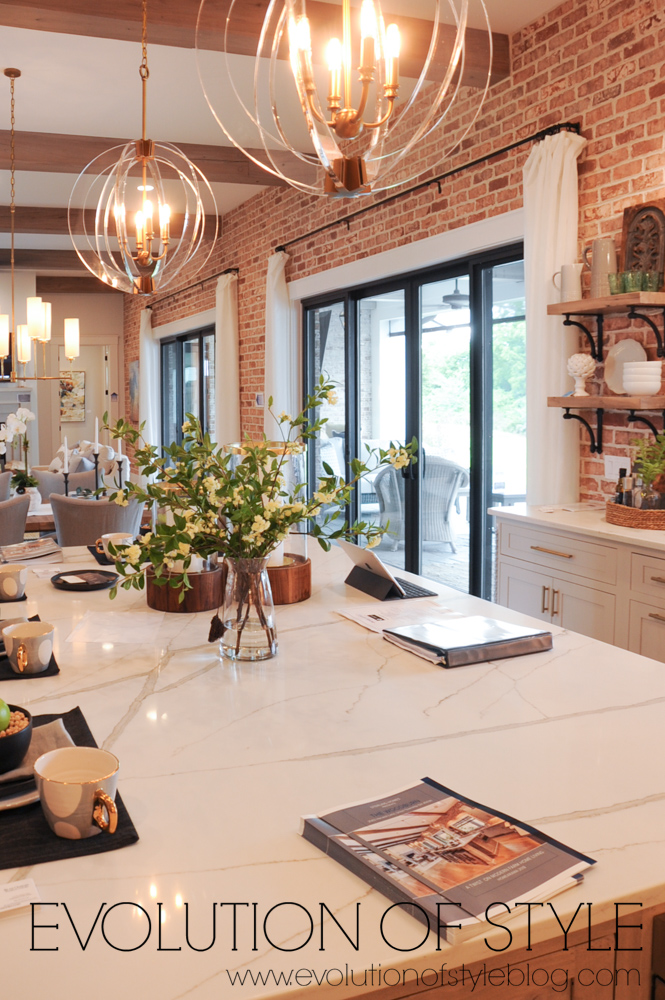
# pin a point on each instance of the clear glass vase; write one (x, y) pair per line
(249, 612)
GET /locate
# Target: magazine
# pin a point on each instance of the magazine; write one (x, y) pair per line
(449, 859)
(34, 549)
(459, 641)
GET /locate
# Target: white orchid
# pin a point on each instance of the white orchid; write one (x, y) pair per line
(25, 415)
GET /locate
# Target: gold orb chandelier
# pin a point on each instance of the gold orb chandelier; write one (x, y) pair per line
(136, 238)
(339, 102)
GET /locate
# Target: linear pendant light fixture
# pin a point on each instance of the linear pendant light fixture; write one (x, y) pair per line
(343, 109)
(16, 340)
(142, 239)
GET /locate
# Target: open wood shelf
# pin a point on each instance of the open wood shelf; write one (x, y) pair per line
(608, 402)
(608, 304)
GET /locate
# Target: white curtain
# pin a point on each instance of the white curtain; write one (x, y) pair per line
(551, 216)
(227, 370)
(281, 355)
(149, 389)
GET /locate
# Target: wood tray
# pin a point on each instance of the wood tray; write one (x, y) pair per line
(633, 517)
(292, 582)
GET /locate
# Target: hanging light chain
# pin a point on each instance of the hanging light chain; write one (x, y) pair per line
(144, 72)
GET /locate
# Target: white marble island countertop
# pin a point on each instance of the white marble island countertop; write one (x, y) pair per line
(218, 762)
(589, 522)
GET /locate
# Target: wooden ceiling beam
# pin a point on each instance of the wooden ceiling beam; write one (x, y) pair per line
(42, 260)
(173, 22)
(49, 221)
(54, 284)
(54, 152)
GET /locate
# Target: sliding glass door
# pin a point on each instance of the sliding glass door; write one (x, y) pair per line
(437, 355)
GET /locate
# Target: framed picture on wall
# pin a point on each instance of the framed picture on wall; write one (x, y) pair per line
(72, 397)
(134, 391)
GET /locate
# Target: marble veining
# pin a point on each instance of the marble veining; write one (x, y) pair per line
(219, 762)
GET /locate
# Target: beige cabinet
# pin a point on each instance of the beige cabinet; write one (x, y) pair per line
(609, 589)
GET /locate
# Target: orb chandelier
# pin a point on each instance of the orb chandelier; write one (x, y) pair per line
(340, 104)
(16, 340)
(136, 238)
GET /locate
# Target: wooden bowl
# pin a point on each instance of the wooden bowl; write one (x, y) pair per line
(14, 748)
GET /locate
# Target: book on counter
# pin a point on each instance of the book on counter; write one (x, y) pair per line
(459, 641)
(37, 548)
(447, 859)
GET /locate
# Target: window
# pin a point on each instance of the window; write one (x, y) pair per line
(188, 382)
(438, 355)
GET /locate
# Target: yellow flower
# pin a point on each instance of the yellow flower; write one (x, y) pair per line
(133, 554)
(331, 396)
(284, 417)
(120, 500)
(184, 548)
(373, 542)
(398, 457)
(324, 497)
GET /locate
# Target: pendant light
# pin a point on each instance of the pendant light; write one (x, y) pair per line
(141, 241)
(16, 340)
(337, 104)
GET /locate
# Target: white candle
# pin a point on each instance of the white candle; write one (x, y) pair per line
(276, 557)
(96, 448)
(120, 446)
(65, 466)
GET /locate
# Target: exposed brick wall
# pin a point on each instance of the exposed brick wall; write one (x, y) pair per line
(598, 62)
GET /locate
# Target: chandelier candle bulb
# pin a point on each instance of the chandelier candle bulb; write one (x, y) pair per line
(46, 331)
(368, 32)
(71, 338)
(334, 57)
(164, 222)
(35, 316)
(4, 337)
(392, 55)
(23, 349)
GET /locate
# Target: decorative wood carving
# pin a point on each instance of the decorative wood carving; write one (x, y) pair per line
(644, 237)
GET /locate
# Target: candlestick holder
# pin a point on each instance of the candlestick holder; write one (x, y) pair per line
(65, 476)
(119, 475)
(95, 458)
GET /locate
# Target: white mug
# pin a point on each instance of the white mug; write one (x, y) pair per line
(77, 787)
(115, 538)
(12, 581)
(571, 282)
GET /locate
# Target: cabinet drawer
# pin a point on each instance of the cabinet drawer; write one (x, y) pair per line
(563, 553)
(646, 630)
(647, 576)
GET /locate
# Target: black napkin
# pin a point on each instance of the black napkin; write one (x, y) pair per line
(6, 672)
(100, 557)
(13, 600)
(25, 836)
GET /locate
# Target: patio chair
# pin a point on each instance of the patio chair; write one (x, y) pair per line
(81, 522)
(442, 481)
(12, 519)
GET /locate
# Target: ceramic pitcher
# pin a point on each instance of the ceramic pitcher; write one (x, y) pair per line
(603, 262)
(571, 282)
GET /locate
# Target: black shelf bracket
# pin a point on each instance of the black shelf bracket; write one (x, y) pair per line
(633, 314)
(595, 345)
(596, 446)
(633, 419)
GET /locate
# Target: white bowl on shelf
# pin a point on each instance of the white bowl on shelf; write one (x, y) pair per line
(643, 366)
(641, 387)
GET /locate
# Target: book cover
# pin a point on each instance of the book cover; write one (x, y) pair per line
(429, 845)
(475, 639)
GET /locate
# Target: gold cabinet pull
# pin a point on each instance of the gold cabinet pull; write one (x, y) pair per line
(659, 618)
(555, 602)
(545, 603)
(552, 552)
(658, 579)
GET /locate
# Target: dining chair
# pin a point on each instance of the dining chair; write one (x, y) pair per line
(12, 519)
(79, 521)
(54, 482)
(5, 484)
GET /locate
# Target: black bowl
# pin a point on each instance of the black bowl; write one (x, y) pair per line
(14, 748)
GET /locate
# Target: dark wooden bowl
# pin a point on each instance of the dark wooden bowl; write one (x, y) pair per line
(14, 748)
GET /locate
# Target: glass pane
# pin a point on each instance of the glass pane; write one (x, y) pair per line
(382, 388)
(190, 377)
(445, 447)
(209, 386)
(170, 418)
(328, 356)
(509, 388)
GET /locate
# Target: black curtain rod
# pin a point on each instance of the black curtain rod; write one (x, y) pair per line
(536, 137)
(195, 284)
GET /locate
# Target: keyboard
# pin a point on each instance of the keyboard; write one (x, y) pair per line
(413, 590)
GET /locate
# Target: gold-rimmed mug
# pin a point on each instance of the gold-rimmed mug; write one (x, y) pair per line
(77, 788)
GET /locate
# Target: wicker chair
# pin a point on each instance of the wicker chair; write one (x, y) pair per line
(12, 519)
(442, 481)
(82, 522)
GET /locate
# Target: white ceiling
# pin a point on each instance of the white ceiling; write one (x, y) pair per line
(80, 85)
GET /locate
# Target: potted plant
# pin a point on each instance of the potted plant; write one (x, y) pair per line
(16, 426)
(650, 461)
(240, 504)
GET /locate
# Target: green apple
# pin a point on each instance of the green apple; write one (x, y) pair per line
(5, 715)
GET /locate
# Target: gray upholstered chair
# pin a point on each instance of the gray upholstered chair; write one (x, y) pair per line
(54, 482)
(82, 522)
(12, 519)
(5, 484)
(389, 489)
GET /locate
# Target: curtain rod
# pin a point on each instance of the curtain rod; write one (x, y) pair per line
(195, 284)
(536, 137)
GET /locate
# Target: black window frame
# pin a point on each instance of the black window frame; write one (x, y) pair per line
(180, 340)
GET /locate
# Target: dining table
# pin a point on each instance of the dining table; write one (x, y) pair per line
(221, 896)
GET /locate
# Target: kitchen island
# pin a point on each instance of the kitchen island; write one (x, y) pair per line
(218, 762)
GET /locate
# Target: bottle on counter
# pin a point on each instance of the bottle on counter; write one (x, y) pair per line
(618, 493)
(628, 487)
